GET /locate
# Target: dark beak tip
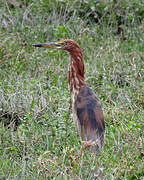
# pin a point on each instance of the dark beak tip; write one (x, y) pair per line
(36, 45)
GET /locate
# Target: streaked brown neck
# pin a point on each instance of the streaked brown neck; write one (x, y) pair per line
(76, 71)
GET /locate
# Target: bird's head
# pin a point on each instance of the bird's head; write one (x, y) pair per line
(66, 44)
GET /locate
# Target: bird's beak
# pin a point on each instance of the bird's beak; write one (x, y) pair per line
(57, 45)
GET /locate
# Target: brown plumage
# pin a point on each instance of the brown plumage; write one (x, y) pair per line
(87, 111)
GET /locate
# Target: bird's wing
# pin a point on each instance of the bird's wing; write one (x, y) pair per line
(89, 114)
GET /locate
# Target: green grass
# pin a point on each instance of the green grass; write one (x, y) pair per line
(34, 91)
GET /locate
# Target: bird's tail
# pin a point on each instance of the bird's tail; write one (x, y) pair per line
(95, 143)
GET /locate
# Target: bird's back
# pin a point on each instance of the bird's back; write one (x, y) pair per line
(89, 116)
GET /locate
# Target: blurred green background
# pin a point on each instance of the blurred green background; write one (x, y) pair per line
(38, 139)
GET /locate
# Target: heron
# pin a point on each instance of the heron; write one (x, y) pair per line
(86, 108)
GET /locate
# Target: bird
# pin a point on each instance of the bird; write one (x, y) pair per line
(86, 108)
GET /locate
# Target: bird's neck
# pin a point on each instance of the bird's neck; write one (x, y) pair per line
(76, 72)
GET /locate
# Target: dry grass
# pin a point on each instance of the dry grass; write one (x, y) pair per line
(34, 90)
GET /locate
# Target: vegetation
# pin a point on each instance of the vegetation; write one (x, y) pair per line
(38, 139)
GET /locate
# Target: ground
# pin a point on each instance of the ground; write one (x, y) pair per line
(38, 139)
